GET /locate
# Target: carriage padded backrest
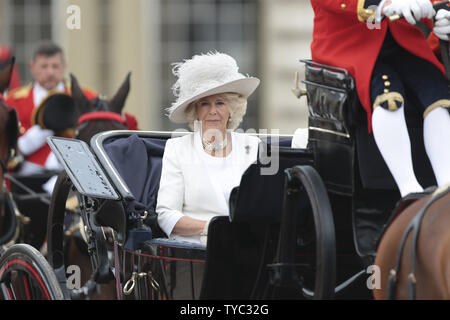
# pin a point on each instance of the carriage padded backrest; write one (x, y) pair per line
(329, 93)
(139, 162)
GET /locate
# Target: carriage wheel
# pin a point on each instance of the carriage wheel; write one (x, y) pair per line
(305, 263)
(26, 275)
(56, 240)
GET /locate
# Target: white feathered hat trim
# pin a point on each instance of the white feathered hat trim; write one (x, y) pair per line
(205, 75)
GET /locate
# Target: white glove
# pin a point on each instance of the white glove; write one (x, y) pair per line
(419, 8)
(442, 24)
(33, 139)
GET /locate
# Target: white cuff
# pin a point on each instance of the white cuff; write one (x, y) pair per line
(33, 139)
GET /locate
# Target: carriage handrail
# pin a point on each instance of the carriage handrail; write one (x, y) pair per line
(320, 65)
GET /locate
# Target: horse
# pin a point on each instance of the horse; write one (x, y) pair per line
(95, 116)
(9, 130)
(413, 255)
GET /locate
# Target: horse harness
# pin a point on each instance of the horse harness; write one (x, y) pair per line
(414, 225)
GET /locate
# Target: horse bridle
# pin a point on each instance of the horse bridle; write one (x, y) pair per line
(414, 225)
(100, 113)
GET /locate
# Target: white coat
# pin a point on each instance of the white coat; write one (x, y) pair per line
(187, 187)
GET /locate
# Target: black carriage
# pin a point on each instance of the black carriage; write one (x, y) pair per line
(308, 231)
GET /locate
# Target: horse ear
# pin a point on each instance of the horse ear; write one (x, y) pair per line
(82, 104)
(5, 75)
(117, 103)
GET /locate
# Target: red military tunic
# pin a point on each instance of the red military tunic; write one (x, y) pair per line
(22, 100)
(343, 38)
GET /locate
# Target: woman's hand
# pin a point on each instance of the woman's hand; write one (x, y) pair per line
(411, 10)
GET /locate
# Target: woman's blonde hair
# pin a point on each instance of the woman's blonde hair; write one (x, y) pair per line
(236, 103)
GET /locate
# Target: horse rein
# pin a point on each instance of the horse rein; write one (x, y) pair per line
(414, 225)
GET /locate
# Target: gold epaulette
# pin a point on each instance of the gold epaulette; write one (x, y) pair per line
(363, 13)
(21, 92)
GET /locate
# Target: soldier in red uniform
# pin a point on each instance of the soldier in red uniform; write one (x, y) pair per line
(385, 58)
(47, 67)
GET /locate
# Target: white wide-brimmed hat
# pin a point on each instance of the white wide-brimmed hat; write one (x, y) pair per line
(205, 75)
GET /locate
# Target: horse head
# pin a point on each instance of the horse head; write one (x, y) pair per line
(9, 128)
(9, 131)
(99, 114)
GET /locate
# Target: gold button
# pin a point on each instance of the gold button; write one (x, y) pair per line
(386, 90)
(385, 77)
(343, 6)
(22, 130)
(387, 83)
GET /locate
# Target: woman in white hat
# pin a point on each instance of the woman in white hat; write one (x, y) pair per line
(199, 170)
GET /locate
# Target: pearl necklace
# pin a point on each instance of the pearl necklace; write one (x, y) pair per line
(211, 146)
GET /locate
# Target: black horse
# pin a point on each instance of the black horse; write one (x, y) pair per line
(93, 116)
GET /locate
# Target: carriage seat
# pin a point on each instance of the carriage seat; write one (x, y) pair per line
(126, 153)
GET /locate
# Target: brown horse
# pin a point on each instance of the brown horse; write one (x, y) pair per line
(94, 116)
(8, 140)
(424, 273)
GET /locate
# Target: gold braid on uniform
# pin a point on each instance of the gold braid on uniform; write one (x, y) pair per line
(444, 103)
(391, 98)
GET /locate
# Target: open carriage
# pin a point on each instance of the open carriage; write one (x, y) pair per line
(307, 230)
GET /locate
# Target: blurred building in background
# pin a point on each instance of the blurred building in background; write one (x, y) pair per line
(267, 38)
